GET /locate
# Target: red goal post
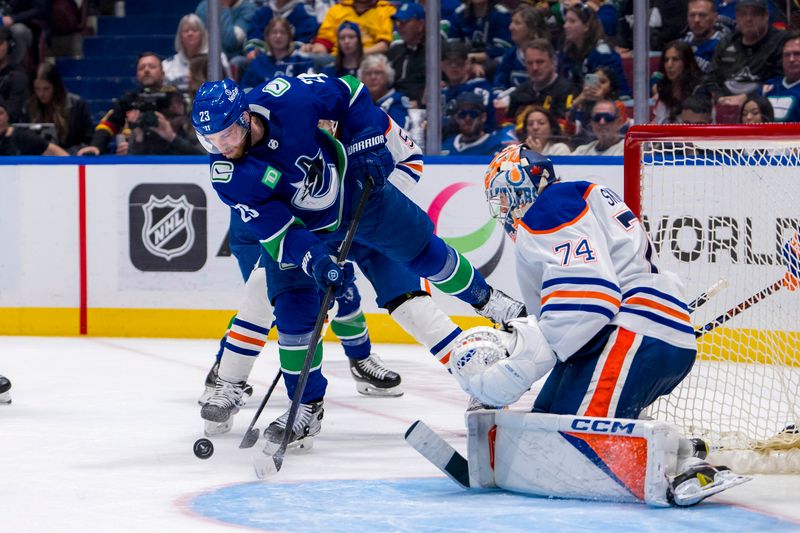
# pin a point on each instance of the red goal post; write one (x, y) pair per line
(719, 202)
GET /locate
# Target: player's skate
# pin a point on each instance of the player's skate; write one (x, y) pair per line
(218, 411)
(211, 385)
(5, 386)
(306, 426)
(373, 378)
(500, 308)
(699, 480)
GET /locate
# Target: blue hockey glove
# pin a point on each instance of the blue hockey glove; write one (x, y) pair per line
(367, 155)
(322, 267)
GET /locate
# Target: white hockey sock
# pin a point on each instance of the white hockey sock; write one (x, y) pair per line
(428, 324)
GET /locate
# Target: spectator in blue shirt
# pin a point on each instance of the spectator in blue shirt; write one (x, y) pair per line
(281, 57)
(704, 31)
(235, 17)
(483, 25)
(456, 70)
(349, 51)
(585, 50)
(471, 139)
(378, 76)
(527, 23)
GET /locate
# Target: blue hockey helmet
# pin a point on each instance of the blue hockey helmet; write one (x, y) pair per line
(219, 116)
(515, 178)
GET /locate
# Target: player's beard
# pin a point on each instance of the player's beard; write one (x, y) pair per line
(242, 149)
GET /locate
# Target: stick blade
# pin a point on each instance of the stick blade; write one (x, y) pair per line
(267, 465)
(436, 450)
(250, 438)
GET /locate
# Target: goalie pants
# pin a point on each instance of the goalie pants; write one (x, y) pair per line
(617, 374)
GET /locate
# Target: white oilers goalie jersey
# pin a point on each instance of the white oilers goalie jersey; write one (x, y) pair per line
(584, 261)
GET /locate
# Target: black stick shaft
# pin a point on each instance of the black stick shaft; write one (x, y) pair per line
(260, 408)
(739, 308)
(317, 333)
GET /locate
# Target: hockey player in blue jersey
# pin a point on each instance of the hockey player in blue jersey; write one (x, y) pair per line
(295, 187)
(605, 320)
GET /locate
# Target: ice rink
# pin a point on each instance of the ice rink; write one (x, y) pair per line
(99, 439)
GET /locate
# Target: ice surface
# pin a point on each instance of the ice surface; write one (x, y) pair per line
(99, 438)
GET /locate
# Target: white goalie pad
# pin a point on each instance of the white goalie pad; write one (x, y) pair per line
(565, 456)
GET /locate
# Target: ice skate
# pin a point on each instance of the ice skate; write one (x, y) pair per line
(699, 480)
(500, 308)
(225, 402)
(306, 426)
(211, 384)
(373, 378)
(5, 386)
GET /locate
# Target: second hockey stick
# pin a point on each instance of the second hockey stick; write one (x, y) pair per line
(275, 461)
(436, 450)
(251, 435)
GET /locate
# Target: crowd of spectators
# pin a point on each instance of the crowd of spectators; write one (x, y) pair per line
(554, 74)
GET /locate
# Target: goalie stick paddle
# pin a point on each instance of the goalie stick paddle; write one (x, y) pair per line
(251, 435)
(436, 450)
(274, 462)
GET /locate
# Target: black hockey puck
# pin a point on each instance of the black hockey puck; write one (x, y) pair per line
(203, 449)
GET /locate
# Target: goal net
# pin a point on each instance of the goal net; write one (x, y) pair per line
(721, 204)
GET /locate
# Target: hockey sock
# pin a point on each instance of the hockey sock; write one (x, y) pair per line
(292, 349)
(350, 325)
(451, 272)
(242, 344)
(223, 339)
(423, 320)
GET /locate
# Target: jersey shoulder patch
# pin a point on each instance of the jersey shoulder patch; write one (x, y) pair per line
(559, 204)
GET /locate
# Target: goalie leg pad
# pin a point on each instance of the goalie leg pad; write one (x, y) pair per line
(567, 456)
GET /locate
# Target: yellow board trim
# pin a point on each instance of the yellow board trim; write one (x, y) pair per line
(168, 323)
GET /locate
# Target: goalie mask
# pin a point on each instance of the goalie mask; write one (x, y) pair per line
(221, 119)
(515, 178)
(476, 349)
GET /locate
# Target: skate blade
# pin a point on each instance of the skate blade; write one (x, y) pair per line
(303, 445)
(369, 390)
(264, 465)
(5, 398)
(721, 482)
(217, 428)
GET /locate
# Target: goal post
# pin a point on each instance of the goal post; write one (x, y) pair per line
(721, 202)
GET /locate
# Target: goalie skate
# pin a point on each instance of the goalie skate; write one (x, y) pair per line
(373, 378)
(5, 386)
(701, 480)
(501, 308)
(211, 383)
(225, 402)
(306, 426)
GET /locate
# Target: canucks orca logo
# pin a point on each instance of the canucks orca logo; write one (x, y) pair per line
(316, 192)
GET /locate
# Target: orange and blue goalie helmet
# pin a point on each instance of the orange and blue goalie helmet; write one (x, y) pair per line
(513, 181)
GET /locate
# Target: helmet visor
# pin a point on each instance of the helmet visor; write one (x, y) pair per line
(226, 141)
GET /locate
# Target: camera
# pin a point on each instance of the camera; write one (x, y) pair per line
(148, 103)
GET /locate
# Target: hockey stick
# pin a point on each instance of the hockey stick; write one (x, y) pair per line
(251, 435)
(275, 463)
(706, 296)
(436, 450)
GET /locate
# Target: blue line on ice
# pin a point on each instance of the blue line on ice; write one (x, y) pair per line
(435, 504)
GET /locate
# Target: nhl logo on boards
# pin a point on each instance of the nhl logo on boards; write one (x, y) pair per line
(167, 227)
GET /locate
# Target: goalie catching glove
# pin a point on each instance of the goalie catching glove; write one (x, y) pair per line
(497, 367)
(368, 157)
(323, 268)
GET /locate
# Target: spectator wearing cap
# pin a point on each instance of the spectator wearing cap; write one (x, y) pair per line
(746, 58)
(457, 71)
(407, 54)
(349, 52)
(483, 25)
(726, 12)
(606, 123)
(235, 18)
(471, 139)
(704, 31)
(14, 141)
(784, 91)
(374, 17)
(299, 14)
(546, 87)
(378, 75)
(13, 81)
(585, 49)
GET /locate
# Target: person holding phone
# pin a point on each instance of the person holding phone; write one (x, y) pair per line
(601, 84)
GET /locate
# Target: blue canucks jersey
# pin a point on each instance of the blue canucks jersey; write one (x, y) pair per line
(293, 179)
(784, 97)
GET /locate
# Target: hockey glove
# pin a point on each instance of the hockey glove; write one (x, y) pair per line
(368, 156)
(322, 267)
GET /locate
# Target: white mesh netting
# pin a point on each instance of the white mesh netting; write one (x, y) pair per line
(724, 210)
